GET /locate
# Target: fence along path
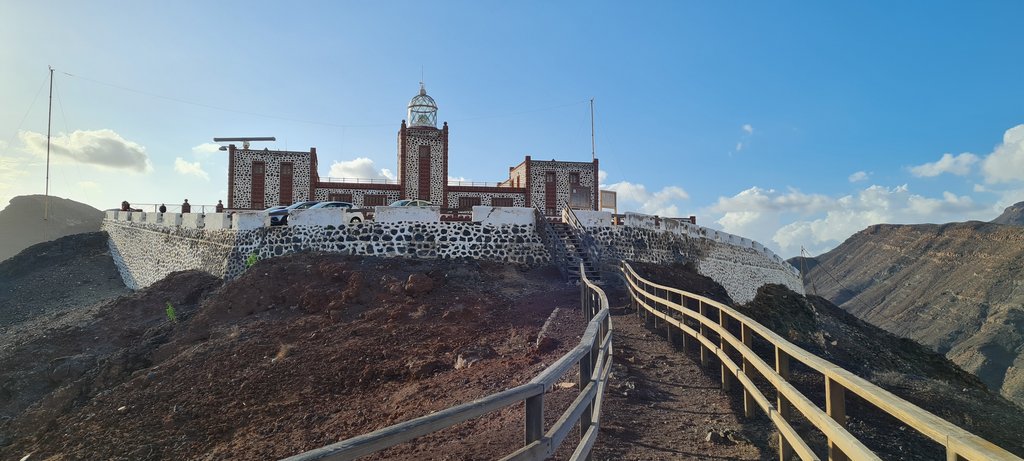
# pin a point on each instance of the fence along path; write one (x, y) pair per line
(665, 303)
(594, 357)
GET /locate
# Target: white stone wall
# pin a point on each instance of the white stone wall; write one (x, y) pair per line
(241, 190)
(396, 214)
(594, 218)
(146, 253)
(496, 216)
(739, 265)
(322, 217)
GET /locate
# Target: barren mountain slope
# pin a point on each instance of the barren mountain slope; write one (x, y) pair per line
(1012, 215)
(958, 288)
(22, 223)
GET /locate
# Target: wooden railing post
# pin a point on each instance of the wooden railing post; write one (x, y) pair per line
(534, 418)
(727, 377)
(748, 399)
(835, 406)
(586, 370)
(657, 306)
(785, 410)
(703, 332)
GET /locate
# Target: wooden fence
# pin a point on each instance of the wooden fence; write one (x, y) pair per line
(671, 305)
(594, 357)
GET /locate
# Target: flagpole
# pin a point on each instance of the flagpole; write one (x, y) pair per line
(49, 119)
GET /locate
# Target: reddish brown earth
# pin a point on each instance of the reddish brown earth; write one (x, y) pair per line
(298, 353)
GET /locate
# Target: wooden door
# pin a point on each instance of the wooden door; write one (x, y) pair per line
(286, 184)
(259, 180)
(550, 193)
(424, 192)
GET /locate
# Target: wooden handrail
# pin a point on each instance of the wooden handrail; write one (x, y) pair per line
(959, 443)
(593, 354)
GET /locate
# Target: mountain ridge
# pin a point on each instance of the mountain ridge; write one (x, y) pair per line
(22, 224)
(955, 287)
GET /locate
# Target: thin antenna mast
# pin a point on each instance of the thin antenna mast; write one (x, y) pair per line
(593, 144)
(49, 119)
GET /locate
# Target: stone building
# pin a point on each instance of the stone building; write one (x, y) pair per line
(258, 179)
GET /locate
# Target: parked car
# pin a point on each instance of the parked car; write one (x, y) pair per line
(350, 216)
(411, 202)
(279, 217)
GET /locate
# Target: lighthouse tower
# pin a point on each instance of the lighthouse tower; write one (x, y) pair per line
(423, 152)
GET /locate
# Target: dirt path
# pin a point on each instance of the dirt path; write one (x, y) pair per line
(661, 405)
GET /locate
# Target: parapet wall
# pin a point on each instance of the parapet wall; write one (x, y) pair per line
(740, 265)
(145, 253)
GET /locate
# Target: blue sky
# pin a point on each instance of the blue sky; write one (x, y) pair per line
(792, 123)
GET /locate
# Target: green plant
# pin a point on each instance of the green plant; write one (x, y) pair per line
(171, 315)
(251, 260)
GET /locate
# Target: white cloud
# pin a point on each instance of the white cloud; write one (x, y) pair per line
(457, 178)
(662, 203)
(1006, 162)
(858, 176)
(739, 146)
(103, 148)
(791, 220)
(361, 168)
(88, 184)
(959, 165)
(190, 168)
(205, 150)
(602, 176)
(748, 129)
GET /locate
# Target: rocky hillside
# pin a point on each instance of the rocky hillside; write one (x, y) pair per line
(957, 288)
(22, 224)
(65, 274)
(1012, 215)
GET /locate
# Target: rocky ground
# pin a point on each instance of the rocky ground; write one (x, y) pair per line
(64, 274)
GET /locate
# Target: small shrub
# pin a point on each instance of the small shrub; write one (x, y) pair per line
(171, 315)
(251, 260)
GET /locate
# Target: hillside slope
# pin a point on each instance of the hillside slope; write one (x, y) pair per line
(1012, 215)
(958, 288)
(65, 274)
(22, 224)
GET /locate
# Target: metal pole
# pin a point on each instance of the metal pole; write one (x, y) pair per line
(49, 118)
(593, 144)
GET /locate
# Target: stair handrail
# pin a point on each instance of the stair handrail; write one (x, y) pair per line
(587, 240)
(551, 241)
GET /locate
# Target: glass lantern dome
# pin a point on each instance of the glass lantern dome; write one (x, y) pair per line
(422, 110)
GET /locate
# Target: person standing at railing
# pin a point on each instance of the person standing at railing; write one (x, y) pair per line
(163, 208)
(220, 207)
(185, 207)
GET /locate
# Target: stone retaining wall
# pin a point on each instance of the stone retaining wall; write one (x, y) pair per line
(145, 253)
(740, 269)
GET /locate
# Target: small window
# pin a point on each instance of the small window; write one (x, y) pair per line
(574, 178)
(339, 198)
(549, 177)
(502, 201)
(286, 169)
(374, 200)
(467, 203)
(258, 168)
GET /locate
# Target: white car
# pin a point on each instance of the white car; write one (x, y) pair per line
(351, 217)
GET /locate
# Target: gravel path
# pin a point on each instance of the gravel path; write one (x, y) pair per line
(662, 405)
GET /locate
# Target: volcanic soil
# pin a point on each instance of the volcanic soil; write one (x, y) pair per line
(300, 352)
